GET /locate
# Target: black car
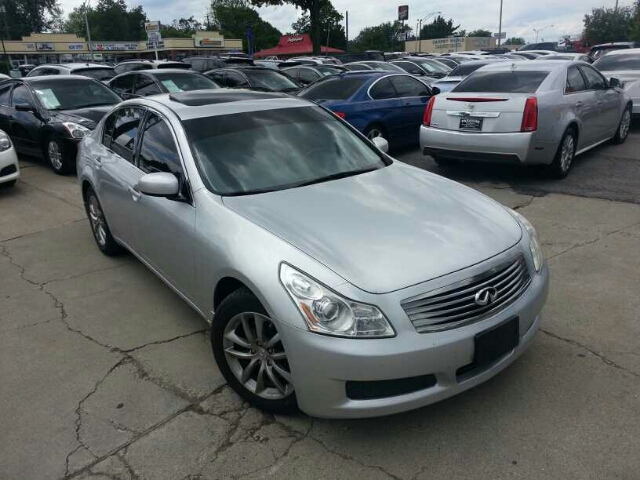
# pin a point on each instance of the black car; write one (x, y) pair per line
(135, 65)
(154, 82)
(204, 64)
(552, 46)
(308, 74)
(254, 78)
(47, 116)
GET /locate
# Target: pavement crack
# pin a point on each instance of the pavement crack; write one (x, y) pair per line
(604, 359)
(161, 342)
(525, 204)
(24, 235)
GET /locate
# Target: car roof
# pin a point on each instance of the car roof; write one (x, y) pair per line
(223, 101)
(58, 78)
(161, 71)
(625, 51)
(153, 62)
(613, 44)
(538, 65)
(74, 66)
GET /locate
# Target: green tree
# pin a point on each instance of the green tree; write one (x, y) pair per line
(439, 28)
(514, 41)
(311, 6)
(109, 20)
(608, 25)
(182, 28)
(380, 37)
(634, 31)
(479, 33)
(23, 17)
(330, 26)
(231, 18)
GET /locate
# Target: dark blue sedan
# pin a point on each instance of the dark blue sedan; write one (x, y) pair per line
(376, 103)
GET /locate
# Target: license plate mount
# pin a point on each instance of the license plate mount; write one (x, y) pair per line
(472, 124)
(492, 344)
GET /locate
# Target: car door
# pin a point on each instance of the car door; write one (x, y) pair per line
(25, 126)
(145, 85)
(116, 172)
(608, 102)
(5, 107)
(584, 104)
(164, 227)
(385, 108)
(413, 95)
(124, 85)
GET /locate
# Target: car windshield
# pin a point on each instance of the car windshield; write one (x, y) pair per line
(334, 89)
(611, 63)
(268, 150)
(445, 86)
(555, 57)
(327, 69)
(387, 67)
(502, 82)
(184, 81)
(271, 80)
(432, 67)
(96, 73)
(55, 94)
(464, 70)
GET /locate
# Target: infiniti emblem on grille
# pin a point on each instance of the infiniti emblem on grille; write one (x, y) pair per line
(486, 296)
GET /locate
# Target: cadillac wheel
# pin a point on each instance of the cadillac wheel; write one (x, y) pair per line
(250, 354)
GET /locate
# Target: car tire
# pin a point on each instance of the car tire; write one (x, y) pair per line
(57, 155)
(375, 130)
(565, 155)
(245, 356)
(99, 226)
(8, 184)
(623, 127)
(446, 162)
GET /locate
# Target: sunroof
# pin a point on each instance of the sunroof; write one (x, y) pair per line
(211, 97)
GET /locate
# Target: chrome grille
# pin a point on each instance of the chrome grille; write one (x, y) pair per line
(455, 305)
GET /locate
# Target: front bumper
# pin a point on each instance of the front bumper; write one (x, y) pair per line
(322, 365)
(516, 148)
(9, 168)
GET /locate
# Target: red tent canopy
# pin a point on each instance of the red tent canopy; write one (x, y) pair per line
(294, 45)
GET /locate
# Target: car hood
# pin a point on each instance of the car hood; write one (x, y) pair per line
(388, 229)
(87, 117)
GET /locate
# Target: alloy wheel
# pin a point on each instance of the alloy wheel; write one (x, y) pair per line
(255, 355)
(98, 224)
(55, 154)
(568, 150)
(373, 133)
(625, 123)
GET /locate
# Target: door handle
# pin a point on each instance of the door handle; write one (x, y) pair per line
(135, 194)
(579, 103)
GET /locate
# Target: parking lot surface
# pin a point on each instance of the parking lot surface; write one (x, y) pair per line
(105, 373)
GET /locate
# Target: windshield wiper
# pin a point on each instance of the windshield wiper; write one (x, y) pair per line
(336, 176)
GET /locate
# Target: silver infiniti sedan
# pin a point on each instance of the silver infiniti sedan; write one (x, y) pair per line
(526, 113)
(335, 278)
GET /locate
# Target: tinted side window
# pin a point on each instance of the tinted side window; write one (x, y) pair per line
(123, 85)
(292, 72)
(217, 77)
(141, 66)
(409, 67)
(409, 87)
(383, 89)
(575, 81)
(233, 79)
(595, 81)
(308, 76)
(158, 152)
(145, 85)
(21, 95)
(126, 131)
(107, 132)
(4, 94)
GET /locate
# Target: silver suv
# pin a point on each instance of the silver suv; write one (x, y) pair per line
(96, 71)
(335, 278)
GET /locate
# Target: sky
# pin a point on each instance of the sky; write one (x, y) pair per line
(519, 17)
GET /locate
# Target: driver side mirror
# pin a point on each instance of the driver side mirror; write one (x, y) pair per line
(159, 184)
(25, 107)
(435, 90)
(381, 144)
(614, 82)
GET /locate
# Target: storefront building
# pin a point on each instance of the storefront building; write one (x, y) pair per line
(294, 45)
(39, 48)
(449, 44)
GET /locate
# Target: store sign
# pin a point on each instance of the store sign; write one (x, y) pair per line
(295, 39)
(46, 47)
(152, 27)
(114, 46)
(30, 46)
(403, 13)
(76, 46)
(208, 42)
(446, 42)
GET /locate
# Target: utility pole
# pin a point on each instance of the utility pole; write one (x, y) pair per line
(500, 26)
(315, 27)
(419, 28)
(347, 31)
(86, 22)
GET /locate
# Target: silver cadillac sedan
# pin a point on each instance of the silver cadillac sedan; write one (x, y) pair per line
(526, 113)
(335, 279)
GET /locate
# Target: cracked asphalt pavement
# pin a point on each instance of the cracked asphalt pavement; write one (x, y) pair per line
(105, 373)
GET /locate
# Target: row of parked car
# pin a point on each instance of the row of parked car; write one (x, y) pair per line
(460, 107)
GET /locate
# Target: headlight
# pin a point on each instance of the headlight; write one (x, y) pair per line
(534, 242)
(330, 313)
(5, 141)
(76, 130)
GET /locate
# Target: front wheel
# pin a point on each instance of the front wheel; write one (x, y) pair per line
(563, 160)
(374, 131)
(623, 128)
(99, 227)
(250, 354)
(57, 155)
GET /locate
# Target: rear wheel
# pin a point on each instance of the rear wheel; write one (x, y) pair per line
(8, 184)
(623, 128)
(563, 160)
(248, 350)
(373, 131)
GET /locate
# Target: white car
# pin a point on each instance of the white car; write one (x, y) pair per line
(625, 66)
(9, 169)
